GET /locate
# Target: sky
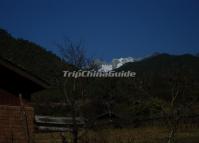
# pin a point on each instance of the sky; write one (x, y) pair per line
(107, 28)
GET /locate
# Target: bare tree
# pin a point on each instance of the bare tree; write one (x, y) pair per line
(73, 89)
(73, 92)
(73, 53)
(175, 106)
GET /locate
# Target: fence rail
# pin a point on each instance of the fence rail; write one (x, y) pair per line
(56, 124)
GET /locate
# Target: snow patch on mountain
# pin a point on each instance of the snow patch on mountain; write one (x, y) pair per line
(106, 68)
(115, 63)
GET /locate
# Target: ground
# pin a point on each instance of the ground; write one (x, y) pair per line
(133, 135)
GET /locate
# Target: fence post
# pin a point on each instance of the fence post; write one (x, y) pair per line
(24, 119)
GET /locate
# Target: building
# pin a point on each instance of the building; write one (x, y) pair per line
(16, 112)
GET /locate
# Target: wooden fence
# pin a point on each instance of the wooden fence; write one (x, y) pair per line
(12, 126)
(56, 124)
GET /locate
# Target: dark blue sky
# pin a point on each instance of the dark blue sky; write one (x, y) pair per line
(108, 28)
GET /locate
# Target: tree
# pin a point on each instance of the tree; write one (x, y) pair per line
(73, 89)
(73, 92)
(178, 104)
(172, 96)
(73, 53)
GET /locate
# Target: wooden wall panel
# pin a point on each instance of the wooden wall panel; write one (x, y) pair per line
(12, 124)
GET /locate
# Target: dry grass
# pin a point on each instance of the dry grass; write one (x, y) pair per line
(135, 135)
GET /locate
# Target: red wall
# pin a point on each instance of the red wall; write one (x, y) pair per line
(7, 98)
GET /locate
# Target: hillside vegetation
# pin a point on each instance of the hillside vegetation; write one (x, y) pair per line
(31, 57)
(131, 99)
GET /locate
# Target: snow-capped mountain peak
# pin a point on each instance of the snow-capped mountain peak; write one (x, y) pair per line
(116, 63)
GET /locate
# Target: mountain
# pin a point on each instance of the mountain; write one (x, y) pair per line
(31, 57)
(121, 61)
(124, 95)
(164, 62)
(159, 72)
(116, 63)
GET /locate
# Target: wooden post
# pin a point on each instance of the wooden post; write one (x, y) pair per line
(24, 119)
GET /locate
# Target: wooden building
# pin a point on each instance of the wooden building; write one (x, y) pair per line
(16, 114)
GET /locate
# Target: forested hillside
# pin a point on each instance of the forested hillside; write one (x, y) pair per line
(31, 57)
